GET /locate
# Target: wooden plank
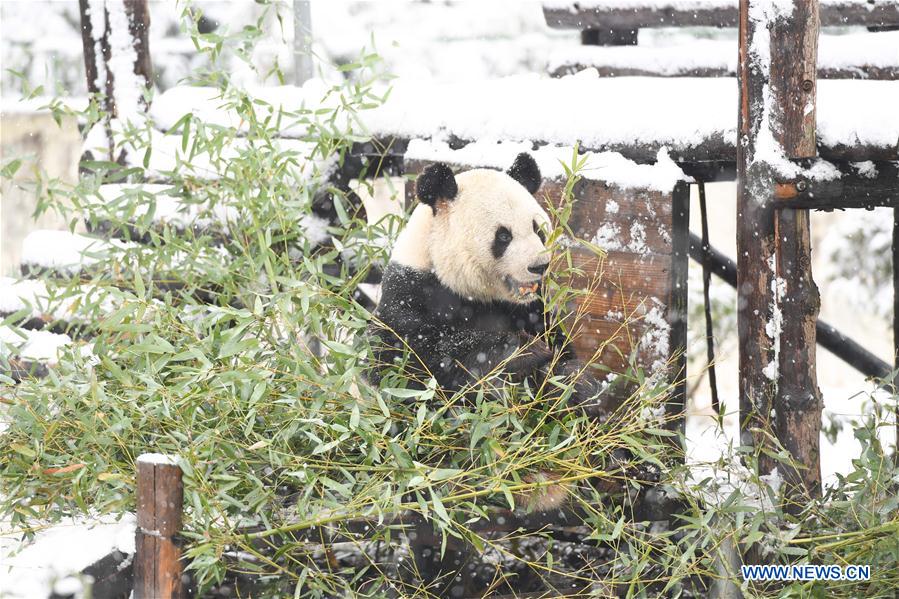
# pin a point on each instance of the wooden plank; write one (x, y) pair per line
(648, 275)
(158, 571)
(860, 185)
(879, 73)
(607, 343)
(878, 13)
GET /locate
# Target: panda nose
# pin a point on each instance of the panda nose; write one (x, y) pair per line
(539, 269)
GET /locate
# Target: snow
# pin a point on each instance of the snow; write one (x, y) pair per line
(774, 326)
(834, 52)
(599, 113)
(49, 304)
(169, 209)
(35, 346)
(609, 167)
(64, 251)
(679, 5)
(129, 87)
(865, 169)
(59, 552)
(656, 339)
(315, 228)
(96, 11)
(158, 459)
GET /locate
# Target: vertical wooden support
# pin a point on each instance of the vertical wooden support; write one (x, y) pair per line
(677, 308)
(102, 60)
(777, 298)
(160, 496)
(896, 322)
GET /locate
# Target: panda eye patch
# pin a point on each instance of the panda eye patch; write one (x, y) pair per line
(501, 241)
(539, 233)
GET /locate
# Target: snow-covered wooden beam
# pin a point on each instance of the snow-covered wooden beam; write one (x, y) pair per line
(777, 298)
(853, 56)
(638, 14)
(856, 185)
(635, 116)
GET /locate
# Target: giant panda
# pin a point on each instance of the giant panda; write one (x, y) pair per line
(462, 287)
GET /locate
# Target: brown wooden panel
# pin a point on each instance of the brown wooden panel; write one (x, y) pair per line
(647, 275)
(613, 343)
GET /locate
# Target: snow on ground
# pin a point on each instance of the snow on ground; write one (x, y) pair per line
(64, 251)
(49, 562)
(36, 346)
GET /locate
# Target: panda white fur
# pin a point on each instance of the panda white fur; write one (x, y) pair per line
(461, 290)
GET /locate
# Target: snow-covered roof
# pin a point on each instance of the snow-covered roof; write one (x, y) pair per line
(634, 115)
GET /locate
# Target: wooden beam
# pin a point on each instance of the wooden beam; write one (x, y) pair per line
(158, 571)
(865, 185)
(878, 13)
(876, 73)
(777, 298)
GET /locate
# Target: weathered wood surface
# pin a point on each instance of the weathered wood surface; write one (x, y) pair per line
(860, 185)
(872, 14)
(158, 570)
(777, 299)
(98, 54)
(614, 70)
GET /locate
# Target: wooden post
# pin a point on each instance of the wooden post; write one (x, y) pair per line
(157, 560)
(677, 309)
(109, 52)
(777, 298)
(896, 322)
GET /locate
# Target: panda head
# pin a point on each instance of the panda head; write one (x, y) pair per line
(488, 233)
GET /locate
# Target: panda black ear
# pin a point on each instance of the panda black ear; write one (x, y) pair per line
(525, 171)
(437, 182)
